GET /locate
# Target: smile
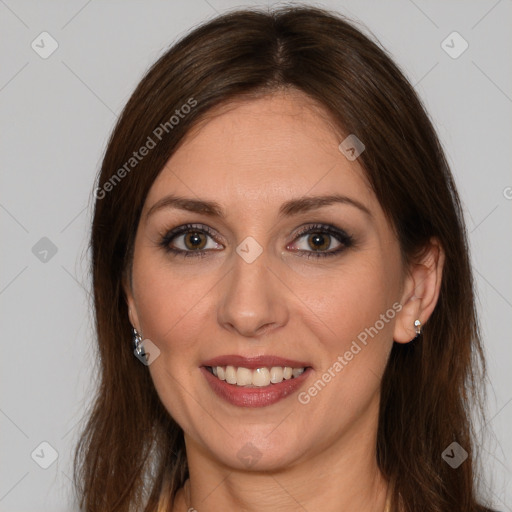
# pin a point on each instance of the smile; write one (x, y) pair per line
(259, 377)
(261, 391)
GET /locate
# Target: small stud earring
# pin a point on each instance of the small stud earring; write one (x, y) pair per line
(417, 328)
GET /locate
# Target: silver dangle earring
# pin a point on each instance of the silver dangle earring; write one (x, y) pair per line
(417, 328)
(137, 343)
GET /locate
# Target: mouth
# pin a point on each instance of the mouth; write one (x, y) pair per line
(254, 382)
(257, 378)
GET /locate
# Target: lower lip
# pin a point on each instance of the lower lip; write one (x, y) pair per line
(254, 397)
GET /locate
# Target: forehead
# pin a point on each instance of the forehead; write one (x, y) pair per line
(265, 149)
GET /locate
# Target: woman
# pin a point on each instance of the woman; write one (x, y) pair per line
(283, 293)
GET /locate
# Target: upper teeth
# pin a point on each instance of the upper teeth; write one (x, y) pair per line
(260, 377)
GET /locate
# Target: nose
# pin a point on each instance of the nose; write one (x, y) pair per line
(253, 300)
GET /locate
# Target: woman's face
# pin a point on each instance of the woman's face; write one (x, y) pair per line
(270, 271)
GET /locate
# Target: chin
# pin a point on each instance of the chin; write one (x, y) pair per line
(255, 450)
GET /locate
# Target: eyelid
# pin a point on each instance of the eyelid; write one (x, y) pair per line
(341, 234)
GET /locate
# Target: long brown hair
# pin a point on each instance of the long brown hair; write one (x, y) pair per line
(131, 450)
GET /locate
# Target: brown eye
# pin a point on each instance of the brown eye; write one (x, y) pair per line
(195, 240)
(190, 240)
(319, 241)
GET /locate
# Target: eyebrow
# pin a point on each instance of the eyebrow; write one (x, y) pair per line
(287, 209)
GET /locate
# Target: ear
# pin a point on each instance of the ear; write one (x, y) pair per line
(130, 302)
(420, 291)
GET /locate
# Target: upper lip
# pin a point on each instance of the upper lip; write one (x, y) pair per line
(254, 362)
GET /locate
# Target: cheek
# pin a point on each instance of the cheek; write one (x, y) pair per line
(354, 336)
(357, 309)
(352, 300)
(169, 306)
(171, 311)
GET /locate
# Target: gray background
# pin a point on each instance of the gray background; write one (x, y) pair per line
(56, 115)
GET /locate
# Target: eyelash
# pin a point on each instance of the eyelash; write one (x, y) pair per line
(341, 236)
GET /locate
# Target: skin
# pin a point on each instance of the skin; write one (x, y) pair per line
(250, 157)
